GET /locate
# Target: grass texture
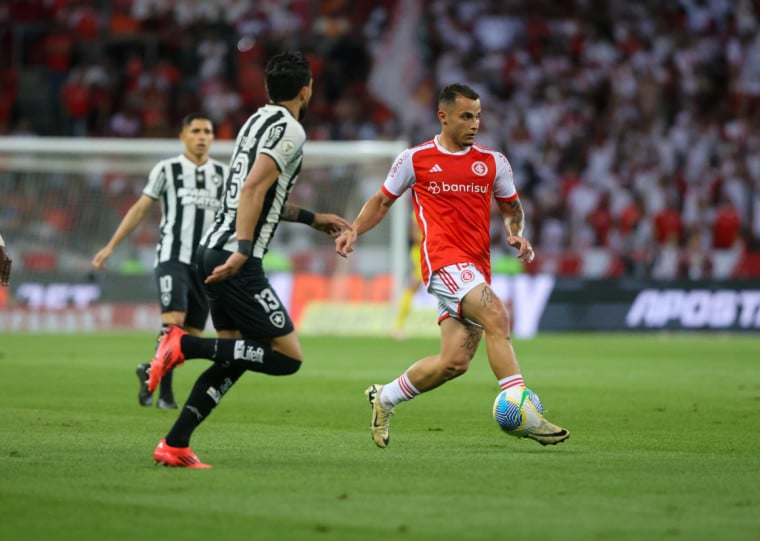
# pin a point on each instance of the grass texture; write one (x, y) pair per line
(665, 445)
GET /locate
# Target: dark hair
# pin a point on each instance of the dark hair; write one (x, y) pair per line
(195, 116)
(449, 93)
(286, 74)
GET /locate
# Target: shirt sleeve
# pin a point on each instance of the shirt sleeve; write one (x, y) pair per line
(283, 142)
(504, 183)
(156, 181)
(400, 177)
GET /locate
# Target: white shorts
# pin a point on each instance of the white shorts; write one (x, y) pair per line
(450, 284)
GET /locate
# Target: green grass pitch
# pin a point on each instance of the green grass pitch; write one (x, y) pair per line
(665, 445)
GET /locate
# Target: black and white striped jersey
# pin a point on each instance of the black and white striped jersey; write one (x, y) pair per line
(190, 196)
(272, 130)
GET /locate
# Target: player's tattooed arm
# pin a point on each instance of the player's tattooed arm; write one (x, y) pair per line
(329, 223)
(514, 217)
(290, 213)
(514, 224)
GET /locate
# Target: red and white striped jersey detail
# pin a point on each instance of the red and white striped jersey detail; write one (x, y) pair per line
(452, 194)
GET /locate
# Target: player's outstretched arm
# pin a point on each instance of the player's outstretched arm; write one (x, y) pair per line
(129, 222)
(371, 214)
(332, 224)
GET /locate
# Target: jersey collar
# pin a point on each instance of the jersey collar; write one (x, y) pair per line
(440, 147)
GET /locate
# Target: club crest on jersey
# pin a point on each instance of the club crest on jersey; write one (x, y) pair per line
(278, 319)
(480, 168)
(288, 146)
(216, 179)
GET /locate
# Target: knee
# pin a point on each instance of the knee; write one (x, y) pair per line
(455, 367)
(284, 365)
(291, 366)
(497, 323)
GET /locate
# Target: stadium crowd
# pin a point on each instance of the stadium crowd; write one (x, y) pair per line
(631, 126)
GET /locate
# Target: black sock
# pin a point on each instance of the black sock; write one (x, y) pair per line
(245, 353)
(165, 391)
(208, 390)
(252, 355)
(195, 347)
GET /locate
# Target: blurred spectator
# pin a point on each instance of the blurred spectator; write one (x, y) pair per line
(125, 123)
(696, 263)
(668, 227)
(726, 226)
(75, 103)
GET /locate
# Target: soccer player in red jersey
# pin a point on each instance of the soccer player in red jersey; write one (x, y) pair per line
(452, 179)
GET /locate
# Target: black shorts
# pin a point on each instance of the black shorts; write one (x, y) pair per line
(180, 289)
(245, 302)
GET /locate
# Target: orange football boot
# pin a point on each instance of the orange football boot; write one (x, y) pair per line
(177, 457)
(168, 355)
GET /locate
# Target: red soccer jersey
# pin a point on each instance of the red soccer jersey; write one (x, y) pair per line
(452, 201)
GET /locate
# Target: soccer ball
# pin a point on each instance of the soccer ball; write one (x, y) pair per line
(518, 417)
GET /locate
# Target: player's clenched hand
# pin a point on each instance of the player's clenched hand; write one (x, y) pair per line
(5, 267)
(229, 268)
(345, 242)
(525, 251)
(332, 224)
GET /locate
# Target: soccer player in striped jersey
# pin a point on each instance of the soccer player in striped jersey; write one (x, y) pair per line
(189, 188)
(255, 332)
(453, 179)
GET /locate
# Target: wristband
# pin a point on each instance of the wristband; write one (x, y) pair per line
(305, 217)
(245, 247)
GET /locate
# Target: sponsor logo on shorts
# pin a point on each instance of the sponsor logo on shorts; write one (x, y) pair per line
(278, 319)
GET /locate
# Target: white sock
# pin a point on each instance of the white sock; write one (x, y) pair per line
(513, 385)
(399, 390)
